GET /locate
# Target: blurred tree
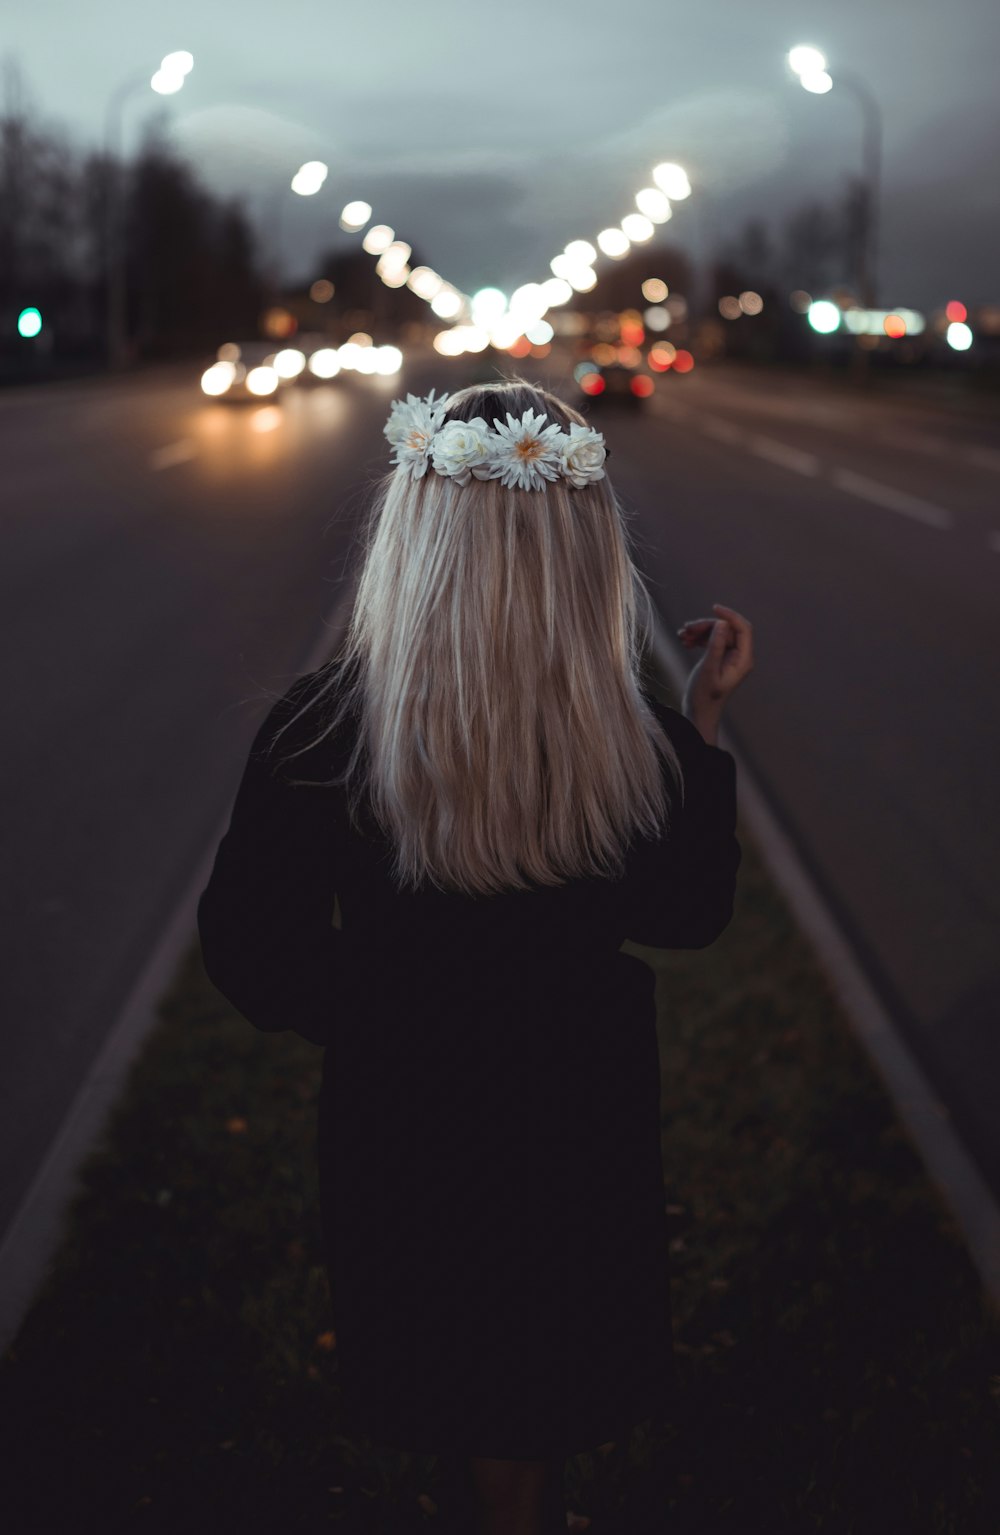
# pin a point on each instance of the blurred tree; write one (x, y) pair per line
(192, 275)
(40, 225)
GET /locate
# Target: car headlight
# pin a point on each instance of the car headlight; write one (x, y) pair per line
(218, 378)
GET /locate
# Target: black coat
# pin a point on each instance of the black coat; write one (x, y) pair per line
(489, 1120)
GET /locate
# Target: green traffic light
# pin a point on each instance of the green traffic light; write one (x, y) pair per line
(29, 322)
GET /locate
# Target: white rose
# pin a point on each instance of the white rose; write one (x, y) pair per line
(460, 447)
(583, 453)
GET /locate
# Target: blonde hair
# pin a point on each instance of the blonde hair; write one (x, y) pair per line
(496, 660)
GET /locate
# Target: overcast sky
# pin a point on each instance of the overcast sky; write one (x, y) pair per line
(488, 135)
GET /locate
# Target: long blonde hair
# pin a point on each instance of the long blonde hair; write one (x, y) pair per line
(495, 654)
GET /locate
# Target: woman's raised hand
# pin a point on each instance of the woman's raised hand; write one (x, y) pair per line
(728, 643)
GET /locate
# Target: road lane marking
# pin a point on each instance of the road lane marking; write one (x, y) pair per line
(894, 500)
(173, 453)
(723, 431)
(795, 459)
(943, 447)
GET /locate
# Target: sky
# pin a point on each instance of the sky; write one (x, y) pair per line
(488, 135)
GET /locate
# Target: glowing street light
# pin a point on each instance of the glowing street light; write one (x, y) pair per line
(614, 243)
(309, 178)
(810, 66)
(355, 216)
(653, 204)
(672, 181)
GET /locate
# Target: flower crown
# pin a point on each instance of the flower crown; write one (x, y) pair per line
(523, 454)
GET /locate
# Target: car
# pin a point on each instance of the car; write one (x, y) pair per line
(612, 382)
(247, 370)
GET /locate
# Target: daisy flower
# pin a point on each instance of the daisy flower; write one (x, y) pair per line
(411, 427)
(523, 455)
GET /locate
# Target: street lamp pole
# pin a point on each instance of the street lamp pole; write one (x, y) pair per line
(174, 69)
(114, 245)
(872, 159)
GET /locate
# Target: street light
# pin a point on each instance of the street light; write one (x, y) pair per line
(809, 64)
(168, 79)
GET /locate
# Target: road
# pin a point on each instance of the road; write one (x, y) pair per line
(169, 561)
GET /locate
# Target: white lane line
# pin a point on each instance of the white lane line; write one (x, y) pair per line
(787, 457)
(722, 431)
(943, 447)
(173, 453)
(894, 500)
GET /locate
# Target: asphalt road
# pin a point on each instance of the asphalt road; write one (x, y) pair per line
(168, 563)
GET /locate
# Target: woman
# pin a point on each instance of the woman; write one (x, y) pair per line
(480, 785)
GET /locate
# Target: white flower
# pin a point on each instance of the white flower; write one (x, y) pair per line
(411, 427)
(461, 449)
(583, 453)
(522, 454)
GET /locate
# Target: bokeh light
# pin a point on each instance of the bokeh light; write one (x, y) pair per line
(750, 302)
(637, 227)
(653, 205)
(322, 291)
(29, 323)
(388, 360)
(166, 82)
(729, 307)
(355, 216)
(672, 180)
(289, 362)
(824, 316)
(613, 243)
(581, 252)
(446, 303)
(683, 362)
(894, 326)
(425, 282)
(378, 239)
(325, 362)
(959, 336)
(806, 60)
(557, 290)
(660, 357)
(655, 290)
(657, 318)
(642, 386)
(218, 378)
(956, 311)
(309, 178)
(262, 380)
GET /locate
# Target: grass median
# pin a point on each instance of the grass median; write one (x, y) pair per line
(840, 1366)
